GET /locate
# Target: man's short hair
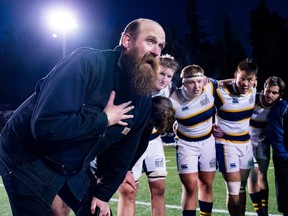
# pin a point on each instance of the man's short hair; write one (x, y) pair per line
(168, 61)
(248, 66)
(275, 81)
(191, 71)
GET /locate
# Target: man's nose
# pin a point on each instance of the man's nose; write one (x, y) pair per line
(156, 51)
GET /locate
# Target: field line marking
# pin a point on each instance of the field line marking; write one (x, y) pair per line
(270, 168)
(179, 207)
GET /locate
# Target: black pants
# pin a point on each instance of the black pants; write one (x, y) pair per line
(281, 183)
(24, 202)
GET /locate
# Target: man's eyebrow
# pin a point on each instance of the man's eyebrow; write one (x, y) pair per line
(152, 37)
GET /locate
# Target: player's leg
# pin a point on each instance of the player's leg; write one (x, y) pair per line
(207, 168)
(263, 159)
(127, 200)
(187, 163)
(205, 195)
(59, 207)
(155, 168)
(228, 160)
(189, 192)
(127, 194)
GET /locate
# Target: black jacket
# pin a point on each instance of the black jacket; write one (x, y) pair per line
(56, 132)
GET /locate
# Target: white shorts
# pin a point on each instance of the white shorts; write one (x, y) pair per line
(262, 150)
(196, 156)
(232, 158)
(153, 159)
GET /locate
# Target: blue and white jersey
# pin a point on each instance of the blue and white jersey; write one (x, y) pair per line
(166, 92)
(234, 111)
(195, 116)
(259, 121)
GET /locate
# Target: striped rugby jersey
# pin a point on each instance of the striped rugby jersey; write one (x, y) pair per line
(233, 115)
(259, 119)
(195, 116)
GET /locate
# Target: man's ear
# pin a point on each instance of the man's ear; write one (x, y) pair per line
(255, 83)
(235, 75)
(126, 40)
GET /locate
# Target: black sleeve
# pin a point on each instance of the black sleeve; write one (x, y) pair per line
(60, 112)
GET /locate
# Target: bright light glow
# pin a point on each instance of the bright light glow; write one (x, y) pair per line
(62, 20)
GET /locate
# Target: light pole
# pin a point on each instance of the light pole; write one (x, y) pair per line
(62, 21)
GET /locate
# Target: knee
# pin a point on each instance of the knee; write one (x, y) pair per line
(206, 188)
(191, 188)
(125, 190)
(59, 208)
(157, 189)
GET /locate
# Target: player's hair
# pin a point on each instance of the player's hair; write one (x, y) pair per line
(191, 71)
(248, 66)
(168, 61)
(162, 114)
(275, 81)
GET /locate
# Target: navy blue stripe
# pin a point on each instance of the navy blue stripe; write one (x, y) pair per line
(189, 139)
(198, 118)
(154, 136)
(235, 116)
(257, 124)
(220, 157)
(245, 137)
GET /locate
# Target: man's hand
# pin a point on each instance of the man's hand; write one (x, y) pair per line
(217, 132)
(117, 113)
(104, 209)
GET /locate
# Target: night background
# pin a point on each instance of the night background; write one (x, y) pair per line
(216, 35)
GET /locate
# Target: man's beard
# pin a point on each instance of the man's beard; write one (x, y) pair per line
(143, 74)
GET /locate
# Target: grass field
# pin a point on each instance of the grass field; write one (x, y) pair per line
(173, 194)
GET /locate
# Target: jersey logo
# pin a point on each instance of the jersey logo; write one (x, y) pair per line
(235, 101)
(212, 163)
(159, 162)
(184, 108)
(184, 166)
(204, 100)
(232, 165)
(125, 130)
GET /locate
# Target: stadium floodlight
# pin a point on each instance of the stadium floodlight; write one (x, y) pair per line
(61, 21)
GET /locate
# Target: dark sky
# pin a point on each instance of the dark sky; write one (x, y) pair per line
(104, 14)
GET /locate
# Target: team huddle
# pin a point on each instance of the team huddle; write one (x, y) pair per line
(93, 126)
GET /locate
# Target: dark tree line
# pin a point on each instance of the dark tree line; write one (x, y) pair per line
(267, 37)
(25, 57)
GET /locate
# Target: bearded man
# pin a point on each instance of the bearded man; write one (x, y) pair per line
(91, 102)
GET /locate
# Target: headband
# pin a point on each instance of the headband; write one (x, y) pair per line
(192, 76)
